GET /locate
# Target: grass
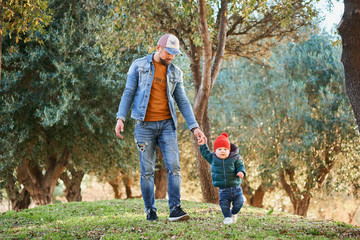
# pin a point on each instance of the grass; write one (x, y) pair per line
(125, 219)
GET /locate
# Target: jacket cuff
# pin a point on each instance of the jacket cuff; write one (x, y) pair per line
(193, 129)
(192, 126)
(120, 117)
(243, 173)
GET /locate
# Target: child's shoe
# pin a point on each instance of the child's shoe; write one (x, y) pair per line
(228, 220)
(234, 218)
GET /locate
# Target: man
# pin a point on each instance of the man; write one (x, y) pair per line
(153, 86)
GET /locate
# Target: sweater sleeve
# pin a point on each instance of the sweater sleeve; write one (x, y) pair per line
(206, 153)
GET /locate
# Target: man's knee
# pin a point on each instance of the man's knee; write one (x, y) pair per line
(147, 175)
(176, 172)
(141, 147)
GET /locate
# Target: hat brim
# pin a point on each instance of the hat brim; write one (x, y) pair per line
(173, 51)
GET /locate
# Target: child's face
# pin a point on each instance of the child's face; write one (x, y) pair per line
(222, 152)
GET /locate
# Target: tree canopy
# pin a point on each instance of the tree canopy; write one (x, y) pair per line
(293, 121)
(58, 101)
(209, 31)
(23, 21)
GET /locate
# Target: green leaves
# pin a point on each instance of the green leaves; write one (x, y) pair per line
(24, 20)
(65, 92)
(293, 115)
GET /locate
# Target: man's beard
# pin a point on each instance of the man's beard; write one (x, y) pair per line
(164, 62)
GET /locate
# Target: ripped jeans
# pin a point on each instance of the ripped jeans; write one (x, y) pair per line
(147, 136)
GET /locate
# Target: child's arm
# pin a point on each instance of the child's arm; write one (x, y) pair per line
(206, 153)
(240, 168)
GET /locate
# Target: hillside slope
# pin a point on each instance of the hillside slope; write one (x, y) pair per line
(125, 219)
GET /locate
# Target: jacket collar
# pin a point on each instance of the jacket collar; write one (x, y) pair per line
(149, 59)
(234, 150)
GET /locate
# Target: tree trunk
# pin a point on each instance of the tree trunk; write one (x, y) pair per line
(18, 200)
(254, 198)
(352, 214)
(204, 83)
(72, 184)
(209, 193)
(127, 183)
(301, 206)
(300, 201)
(247, 191)
(160, 178)
(257, 200)
(1, 35)
(22, 201)
(349, 29)
(39, 186)
(115, 186)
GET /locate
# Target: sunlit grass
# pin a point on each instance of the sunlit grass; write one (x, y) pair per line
(125, 219)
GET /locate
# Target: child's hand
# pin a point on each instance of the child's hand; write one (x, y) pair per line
(201, 141)
(200, 136)
(240, 174)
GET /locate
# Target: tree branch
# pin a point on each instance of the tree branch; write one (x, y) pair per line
(52, 174)
(287, 187)
(201, 98)
(221, 42)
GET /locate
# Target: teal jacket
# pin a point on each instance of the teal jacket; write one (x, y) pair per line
(223, 171)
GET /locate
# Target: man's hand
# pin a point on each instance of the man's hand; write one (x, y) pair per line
(200, 136)
(119, 127)
(240, 174)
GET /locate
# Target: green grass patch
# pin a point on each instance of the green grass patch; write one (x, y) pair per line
(125, 219)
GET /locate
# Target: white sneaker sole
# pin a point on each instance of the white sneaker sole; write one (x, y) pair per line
(228, 220)
(181, 218)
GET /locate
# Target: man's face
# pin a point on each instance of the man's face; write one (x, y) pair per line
(222, 152)
(165, 57)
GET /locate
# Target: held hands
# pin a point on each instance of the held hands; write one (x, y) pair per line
(240, 174)
(200, 136)
(202, 141)
(119, 127)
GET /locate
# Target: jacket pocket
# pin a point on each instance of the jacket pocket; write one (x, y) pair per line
(144, 73)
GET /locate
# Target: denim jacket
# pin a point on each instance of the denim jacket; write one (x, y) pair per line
(138, 86)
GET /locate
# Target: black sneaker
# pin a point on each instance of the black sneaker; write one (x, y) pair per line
(178, 215)
(151, 216)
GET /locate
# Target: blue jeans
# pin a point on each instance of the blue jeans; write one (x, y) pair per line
(147, 136)
(230, 195)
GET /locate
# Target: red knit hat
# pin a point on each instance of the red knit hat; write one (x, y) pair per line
(222, 141)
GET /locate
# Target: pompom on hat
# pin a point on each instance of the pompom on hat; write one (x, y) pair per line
(222, 141)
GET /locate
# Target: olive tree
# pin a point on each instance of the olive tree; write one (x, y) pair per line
(208, 31)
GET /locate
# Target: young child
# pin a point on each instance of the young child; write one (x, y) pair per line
(227, 169)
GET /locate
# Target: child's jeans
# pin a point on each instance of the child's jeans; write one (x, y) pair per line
(231, 195)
